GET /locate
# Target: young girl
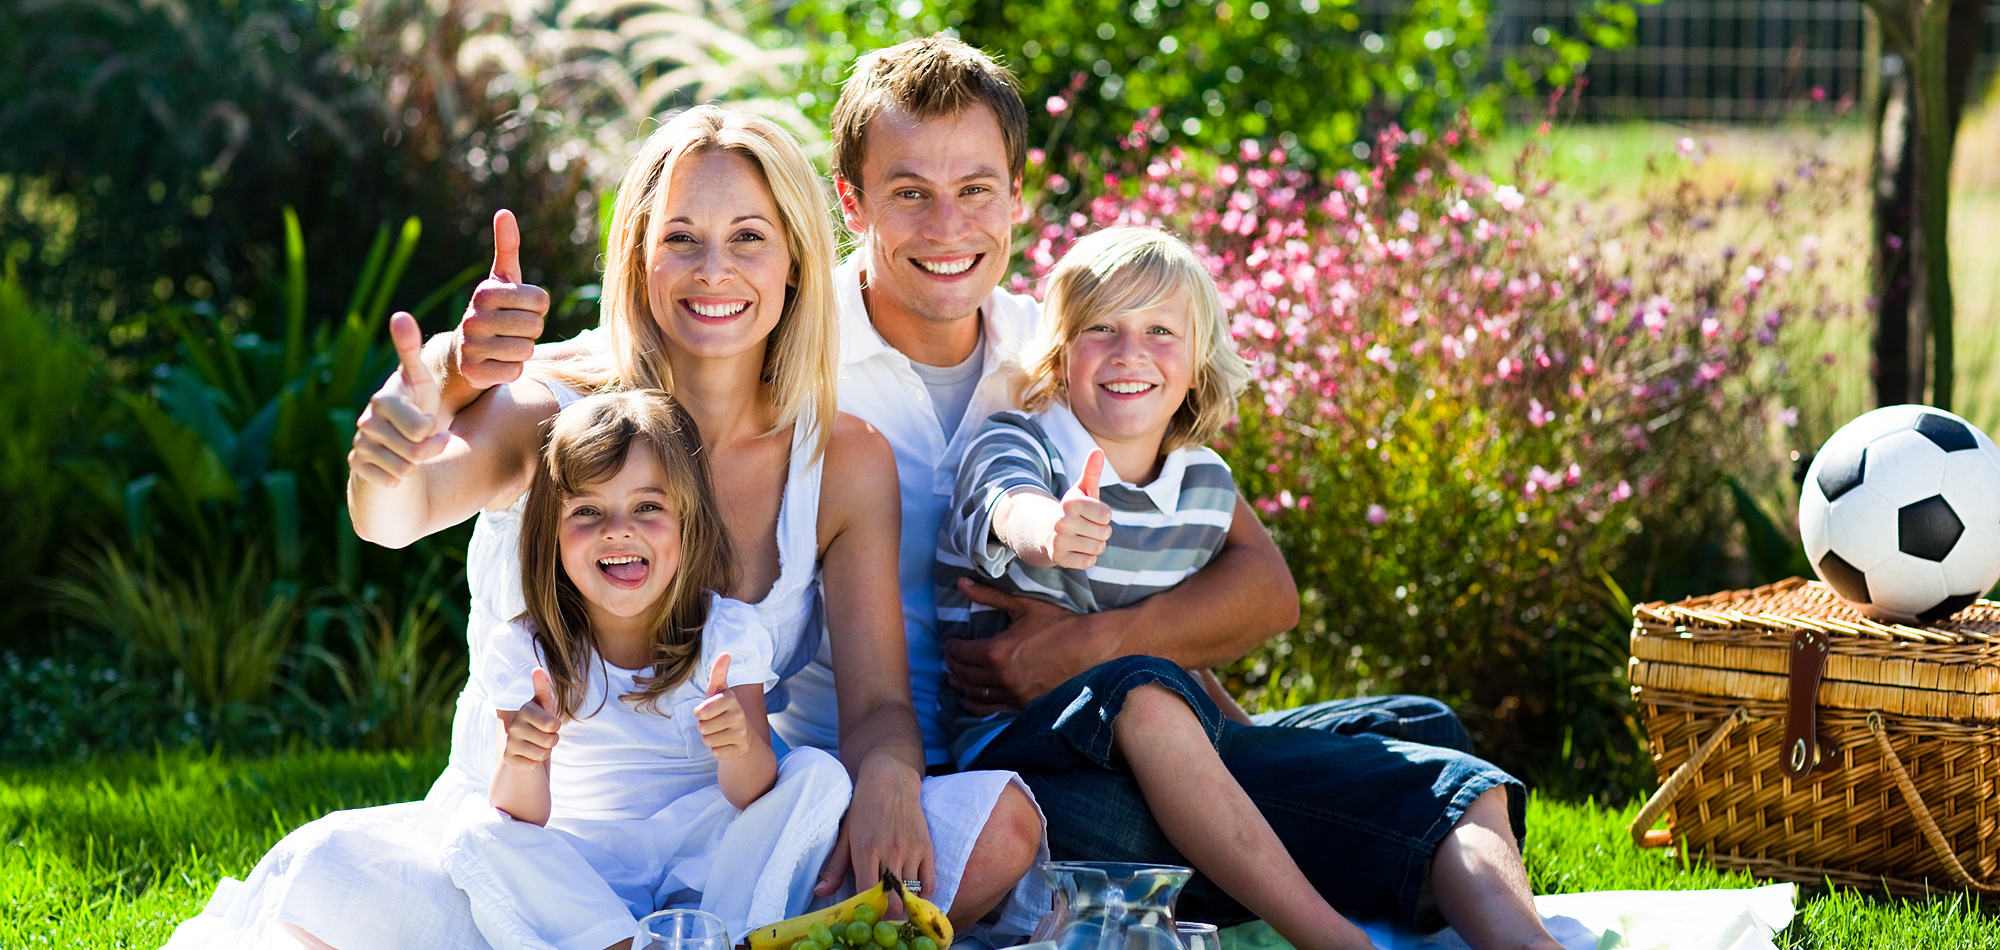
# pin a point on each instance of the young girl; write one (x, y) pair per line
(1099, 494)
(638, 770)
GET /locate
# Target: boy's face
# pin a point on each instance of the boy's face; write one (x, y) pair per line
(935, 209)
(1128, 373)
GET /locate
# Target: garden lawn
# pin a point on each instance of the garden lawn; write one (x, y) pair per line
(115, 853)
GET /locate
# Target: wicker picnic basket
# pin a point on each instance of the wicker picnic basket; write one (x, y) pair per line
(1801, 741)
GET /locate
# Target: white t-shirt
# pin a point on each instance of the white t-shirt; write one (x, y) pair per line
(882, 387)
(614, 761)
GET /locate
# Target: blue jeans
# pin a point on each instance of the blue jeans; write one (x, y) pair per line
(1419, 719)
(1362, 813)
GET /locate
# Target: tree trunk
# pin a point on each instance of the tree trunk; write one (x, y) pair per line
(1917, 116)
(1898, 369)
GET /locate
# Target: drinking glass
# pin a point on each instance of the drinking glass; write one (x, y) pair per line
(682, 930)
(1198, 936)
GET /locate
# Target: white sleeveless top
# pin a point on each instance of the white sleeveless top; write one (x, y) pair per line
(791, 611)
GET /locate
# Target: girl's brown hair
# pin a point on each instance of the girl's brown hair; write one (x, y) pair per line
(588, 443)
(1119, 270)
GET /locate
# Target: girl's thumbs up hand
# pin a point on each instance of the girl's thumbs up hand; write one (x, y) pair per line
(1084, 527)
(725, 729)
(403, 425)
(531, 731)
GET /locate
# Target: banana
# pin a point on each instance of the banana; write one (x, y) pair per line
(784, 933)
(926, 918)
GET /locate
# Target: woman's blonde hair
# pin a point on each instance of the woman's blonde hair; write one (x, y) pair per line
(802, 358)
(587, 445)
(1119, 270)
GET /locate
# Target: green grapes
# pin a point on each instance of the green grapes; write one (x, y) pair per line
(867, 914)
(923, 943)
(857, 934)
(821, 934)
(885, 934)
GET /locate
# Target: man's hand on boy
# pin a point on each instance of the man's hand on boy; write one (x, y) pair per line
(1043, 646)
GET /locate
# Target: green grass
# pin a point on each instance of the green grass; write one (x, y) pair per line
(115, 853)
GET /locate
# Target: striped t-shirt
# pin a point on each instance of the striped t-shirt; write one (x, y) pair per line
(1161, 533)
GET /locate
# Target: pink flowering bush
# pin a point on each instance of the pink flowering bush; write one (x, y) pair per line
(1474, 406)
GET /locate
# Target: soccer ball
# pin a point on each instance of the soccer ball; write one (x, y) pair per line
(1900, 513)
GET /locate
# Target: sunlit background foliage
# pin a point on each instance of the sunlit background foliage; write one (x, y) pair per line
(1494, 404)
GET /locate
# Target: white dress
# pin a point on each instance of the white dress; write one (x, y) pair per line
(638, 821)
(373, 878)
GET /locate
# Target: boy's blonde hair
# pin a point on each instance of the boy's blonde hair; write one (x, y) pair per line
(587, 445)
(802, 358)
(1119, 270)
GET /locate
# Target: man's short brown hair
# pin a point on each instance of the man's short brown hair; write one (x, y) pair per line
(930, 78)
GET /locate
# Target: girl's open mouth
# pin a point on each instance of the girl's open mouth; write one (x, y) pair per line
(626, 570)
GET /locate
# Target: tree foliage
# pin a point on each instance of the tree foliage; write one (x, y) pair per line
(1318, 78)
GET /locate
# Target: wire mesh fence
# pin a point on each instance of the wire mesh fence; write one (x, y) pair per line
(1718, 60)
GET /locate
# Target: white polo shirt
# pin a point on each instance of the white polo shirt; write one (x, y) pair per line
(879, 385)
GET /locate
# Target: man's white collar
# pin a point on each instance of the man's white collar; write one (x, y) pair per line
(859, 340)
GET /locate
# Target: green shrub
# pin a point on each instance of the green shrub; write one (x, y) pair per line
(220, 570)
(143, 147)
(56, 471)
(220, 631)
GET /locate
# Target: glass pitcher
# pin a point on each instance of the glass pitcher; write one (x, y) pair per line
(1102, 905)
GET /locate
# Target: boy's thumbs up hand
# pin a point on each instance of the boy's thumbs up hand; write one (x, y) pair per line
(531, 731)
(402, 425)
(1085, 526)
(496, 338)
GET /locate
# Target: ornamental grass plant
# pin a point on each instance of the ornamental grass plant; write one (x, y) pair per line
(1484, 411)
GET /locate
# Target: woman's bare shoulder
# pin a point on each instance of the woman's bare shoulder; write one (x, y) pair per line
(860, 467)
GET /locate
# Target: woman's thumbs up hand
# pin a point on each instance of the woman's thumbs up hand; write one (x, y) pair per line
(403, 425)
(496, 338)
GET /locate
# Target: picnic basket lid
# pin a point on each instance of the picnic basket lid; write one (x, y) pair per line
(1737, 644)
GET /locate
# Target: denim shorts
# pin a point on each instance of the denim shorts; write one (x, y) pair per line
(1361, 813)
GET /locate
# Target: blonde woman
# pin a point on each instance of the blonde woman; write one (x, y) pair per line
(717, 289)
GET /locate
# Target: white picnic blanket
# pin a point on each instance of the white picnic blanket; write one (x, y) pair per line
(1742, 919)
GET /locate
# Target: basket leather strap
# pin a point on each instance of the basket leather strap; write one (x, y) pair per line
(1925, 823)
(1805, 750)
(1643, 834)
